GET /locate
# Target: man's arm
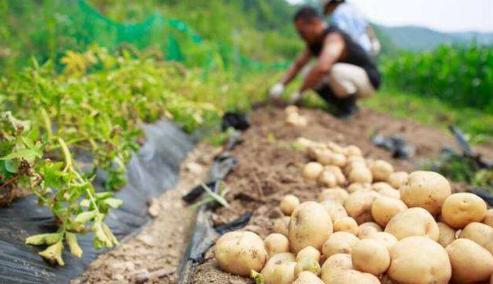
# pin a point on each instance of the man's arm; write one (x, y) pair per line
(296, 67)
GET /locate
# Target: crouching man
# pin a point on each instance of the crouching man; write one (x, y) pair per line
(343, 71)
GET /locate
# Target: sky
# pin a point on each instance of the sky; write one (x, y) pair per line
(442, 15)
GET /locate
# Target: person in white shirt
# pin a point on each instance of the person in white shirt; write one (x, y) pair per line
(350, 20)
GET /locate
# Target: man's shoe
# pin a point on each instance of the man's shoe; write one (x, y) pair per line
(346, 108)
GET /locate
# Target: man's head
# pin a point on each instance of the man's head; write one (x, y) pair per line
(330, 6)
(309, 24)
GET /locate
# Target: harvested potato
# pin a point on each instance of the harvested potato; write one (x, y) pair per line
(446, 235)
(488, 219)
(335, 210)
(270, 269)
(307, 264)
(281, 226)
(310, 225)
(288, 204)
(312, 170)
(479, 233)
(397, 179)
(341, 179)
(367, 229)
(358, 205)
(335, 148)
(384, 238)
(419, 260)
(240, 252)
(352, 150)
(276, 243)
(337, 194)
(427, 190)
(413, 222)
(360, 175)
(304, 144)
(324, 156)
(281, 274)
(327, 178)
(354, 187)
(350, 277)
(385, 189)
(460, 209)
(471, 263)
(381, 170)
(297, 120)
(306, 277)
(291, 109)
(335, 263)
(314, 150)
(310, 252)
(346, 224)
(384, 209)
(339, 242)
(338, 159)
(370, 256)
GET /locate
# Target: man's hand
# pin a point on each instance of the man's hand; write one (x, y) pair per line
(276, 91)
(295, 98)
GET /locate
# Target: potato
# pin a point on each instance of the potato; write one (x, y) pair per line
(460, 209)
(341, 179)
(413, 222)
(240, 252)
(295, 119)
(276, 243)
(335, 148)
(291, 109)
(381, 170)
(281, 274)
(337, 194)
(312, 170)
(360, 175)
(307, 264)
(338, 159)
(471, 263)
(310, 252)
(335, 210)
(352, 150)
(419, 260)
(327, 178)
(397, 179)
(385, 239)
(370, 256)
(306, 277)
(384, 209)
(339, 242)
(427, 190)
(488, 219)
(271, 267)
(288, 204)
(314, 150)
(281, 226)
(358, 205)
(367, 229)
(310, 225)
(335, 263)
(323, 156)
(350, 277)
(446, 235)
(346, 224)
(479, 233)
(354, 187)
(385, 189)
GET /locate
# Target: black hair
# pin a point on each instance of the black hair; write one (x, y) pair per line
(307, 13)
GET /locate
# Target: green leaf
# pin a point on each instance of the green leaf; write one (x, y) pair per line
(85, 217)
(12, 166)
(113, 202)
(73, 245)
(44, 239)
(26, 154)
(53, 253)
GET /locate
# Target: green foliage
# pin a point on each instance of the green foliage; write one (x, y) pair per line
(458, 76)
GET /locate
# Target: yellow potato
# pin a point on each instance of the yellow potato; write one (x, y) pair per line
(335, 148)
(339, 242)
(488, 219)
(307, 264)
(341, 179)
(324, 156)
(282, 274)
(385, 239)
(307, 277)
(297, 120)
(288, 204)
(337, 194)
(281, 225)
(358, 205)
(352, 150)
(413, 222)
(351, 277)
(310, 225)
(479, 233)
(314, 150)
(309, 252)
(471, 263)
(460, 209)
(354, 187)
(327, 178)
(240, 252)
(291, 109)
(335, 263)
(270, 268)
(312, 170)
(338, 159)
(360, 175)
(346, 224)
(335, 210)
(370, 256)
(276, 243)
(367, 229)
(427, 190)
(419, 260)
(397, 179)
(385, 189)
(381, 170)
(384, 209)
(447, 234)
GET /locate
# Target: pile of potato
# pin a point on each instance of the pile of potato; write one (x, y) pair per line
(370, 224)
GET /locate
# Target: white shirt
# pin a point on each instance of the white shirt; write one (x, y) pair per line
(351, 21)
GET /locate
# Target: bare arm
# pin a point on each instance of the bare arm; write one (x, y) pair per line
(296, 67)
(334, 46)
